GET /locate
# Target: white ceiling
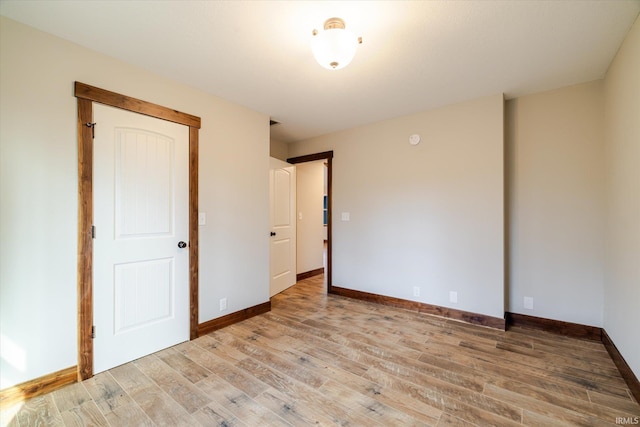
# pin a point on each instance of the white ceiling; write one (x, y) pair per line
(415, 55)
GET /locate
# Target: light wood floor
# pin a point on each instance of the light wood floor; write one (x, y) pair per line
(326, 360)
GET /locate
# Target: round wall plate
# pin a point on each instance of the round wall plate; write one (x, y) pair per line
(414, 139)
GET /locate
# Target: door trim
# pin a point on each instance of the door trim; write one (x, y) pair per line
(86, 96)
(328, 156)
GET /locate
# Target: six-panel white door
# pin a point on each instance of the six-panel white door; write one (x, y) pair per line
(141, 208)
(282, 197)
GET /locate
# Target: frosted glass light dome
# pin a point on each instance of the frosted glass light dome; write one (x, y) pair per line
(335, 47)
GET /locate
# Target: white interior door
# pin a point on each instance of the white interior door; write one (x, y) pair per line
(282, 196)
(141, 214)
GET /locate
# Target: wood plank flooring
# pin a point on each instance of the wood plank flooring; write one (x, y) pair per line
(326, 360)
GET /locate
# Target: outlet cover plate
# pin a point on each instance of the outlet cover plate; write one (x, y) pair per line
(453, 297)
(528, 303)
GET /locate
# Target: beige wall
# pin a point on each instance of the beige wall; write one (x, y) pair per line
(38, 197)
(278, 149)
(429, 215)
(555, 180)
(622, 136)
(310, 230)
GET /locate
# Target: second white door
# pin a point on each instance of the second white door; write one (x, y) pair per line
(282, 196)
(141, 254)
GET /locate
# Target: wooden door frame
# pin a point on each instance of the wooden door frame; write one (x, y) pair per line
(328, 156)
(86, 96)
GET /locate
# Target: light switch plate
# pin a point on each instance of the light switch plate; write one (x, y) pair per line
(202, 218)
(345, 216)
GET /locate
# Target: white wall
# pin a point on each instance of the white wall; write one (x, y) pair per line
(622, 134)
(38, 194)
(310, 229)
(429, 215)
(555, 149)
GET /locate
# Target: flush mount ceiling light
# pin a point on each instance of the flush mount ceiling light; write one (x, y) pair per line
(335, 47)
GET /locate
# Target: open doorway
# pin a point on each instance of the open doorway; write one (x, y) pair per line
(311, 225)
(313, 215)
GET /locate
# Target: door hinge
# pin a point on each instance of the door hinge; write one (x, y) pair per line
(93, 231)
(93, 332)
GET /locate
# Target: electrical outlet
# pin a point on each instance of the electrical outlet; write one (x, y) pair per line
(223, 304)
(453, 297)
(416, 291)
(528, 303)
